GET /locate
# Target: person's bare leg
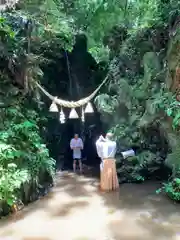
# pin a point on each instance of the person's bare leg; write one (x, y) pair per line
(74, 165)
(80, 166)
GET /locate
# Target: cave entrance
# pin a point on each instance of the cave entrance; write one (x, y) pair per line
(75, 75)
(88, 132)
(59, 136)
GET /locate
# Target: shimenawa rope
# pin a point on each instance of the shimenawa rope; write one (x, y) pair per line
(71, 104)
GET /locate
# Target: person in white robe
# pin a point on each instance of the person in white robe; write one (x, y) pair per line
(106, 150)
(76, 144)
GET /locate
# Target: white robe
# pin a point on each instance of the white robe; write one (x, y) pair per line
(76, 143)
(106, 148)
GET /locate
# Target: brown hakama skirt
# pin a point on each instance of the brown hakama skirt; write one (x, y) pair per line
(108, 176)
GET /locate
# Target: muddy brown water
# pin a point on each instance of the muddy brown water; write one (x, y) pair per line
(76, 210)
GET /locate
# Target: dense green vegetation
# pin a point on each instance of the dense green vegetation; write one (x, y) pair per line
(26, 168)
(138, 42)
(143, 94)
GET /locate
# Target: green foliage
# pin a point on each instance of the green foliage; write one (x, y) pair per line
(11, 180)
(172, 189)
(166, 101)
(106, 103)
(23, 156)
(137, 168)
(138, 97)
(70, 17)
(15, 41)
(137, 177)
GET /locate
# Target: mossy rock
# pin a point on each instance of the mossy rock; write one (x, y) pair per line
(133, 160)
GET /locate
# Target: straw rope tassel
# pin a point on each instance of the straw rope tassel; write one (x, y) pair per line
(82, 115)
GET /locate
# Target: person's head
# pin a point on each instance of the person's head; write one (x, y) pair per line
(109, 136)
(76, 136)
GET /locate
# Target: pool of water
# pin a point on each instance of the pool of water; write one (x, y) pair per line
(76, 210)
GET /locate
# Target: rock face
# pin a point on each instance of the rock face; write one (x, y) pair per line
(82, 69)
(144, 166)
